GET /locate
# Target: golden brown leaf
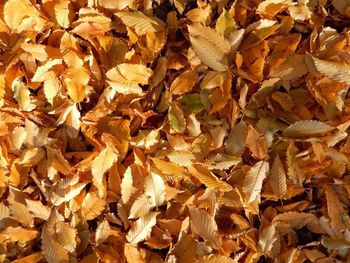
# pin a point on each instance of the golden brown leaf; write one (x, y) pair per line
(208, 178)
(18, 234)
(184, 82)
(33, 258)
(256, 143)
(278, 178)
(92, 206)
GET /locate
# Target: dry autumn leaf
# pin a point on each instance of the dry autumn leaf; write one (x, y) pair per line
(278, 178)
(184, 82)
(174, 131)
(153, 195)
(210, 46)
(216, 259)
(307, 128)
(253, 180)
(205, 226)
(18, 234)
(142, 227)
(208, 178)
(92, 206)
(141, 23)
(337, 70)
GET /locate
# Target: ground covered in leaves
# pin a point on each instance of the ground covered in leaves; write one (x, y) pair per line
(174, 131)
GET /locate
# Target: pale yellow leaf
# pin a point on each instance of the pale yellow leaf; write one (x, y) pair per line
(38, 209)
(253, 180)
(16, 10)
(201, 14)
(72, 122)
(337, 70)
(180, 5)
(270, 8)
(125, 88)
(102, 232)
(31, 156)
(154, 195)
(209, 54)
(182, 158)
(338, 244)
(132, 254)
(53, 251)
(141, 23)
(135, 72)
(213, 79)
(21, 94)
(168, 167)
(102, 163)
(19, 135)
(307, 128)
(21, 213)
(205, 226)
(221, 161)
(142, 228)
(76, 92)
(66, 236)
(127, 189)
(267, 238)
(40, 73)
(235, 39)
(293, 67)
(155, 189)
(91, 29)
(76, 80)
(225, 24)
(208, 178)
(129, 75)
(64, 13)
(36, 50)
(208, 33)
(92, 206)
(300, 11)
(56, 160)
(140, 207)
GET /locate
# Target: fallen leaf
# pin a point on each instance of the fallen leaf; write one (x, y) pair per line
(142, 228)
(253, 180)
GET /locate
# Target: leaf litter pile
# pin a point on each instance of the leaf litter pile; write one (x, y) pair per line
(174, 131)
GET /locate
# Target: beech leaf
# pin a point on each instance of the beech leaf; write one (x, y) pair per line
(307, 128)
(253, 180)
(337, 70)
(142, 228)
(205, 226)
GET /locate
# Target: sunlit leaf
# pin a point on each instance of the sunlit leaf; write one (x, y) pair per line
(142, 228)
(253, 180)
